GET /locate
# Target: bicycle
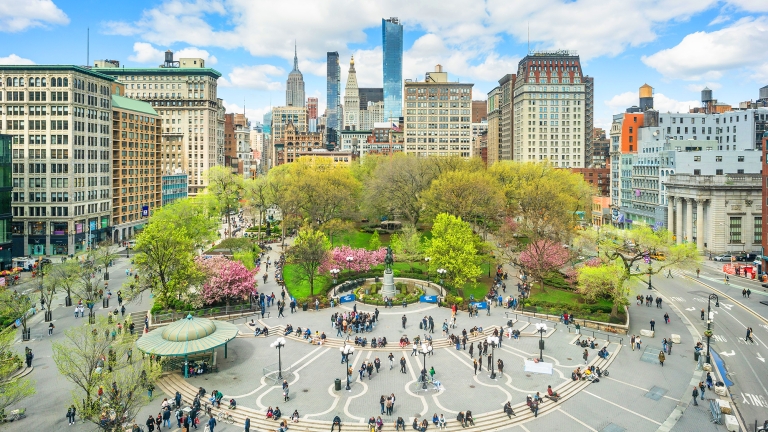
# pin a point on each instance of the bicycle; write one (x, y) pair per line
(225, 417)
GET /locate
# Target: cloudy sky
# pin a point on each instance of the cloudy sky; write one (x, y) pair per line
(676, 46)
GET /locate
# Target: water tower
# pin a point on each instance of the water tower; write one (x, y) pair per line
(646, 97)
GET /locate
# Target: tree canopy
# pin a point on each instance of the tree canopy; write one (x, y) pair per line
(454, 248)
(309, 251)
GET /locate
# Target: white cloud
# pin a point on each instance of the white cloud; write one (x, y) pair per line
(146, 53)
(260, 77)
(665, 104)
(700, 86)
(720, 19)
(17, 15)
(252, 114)
(707, 55)
(13, 59)
(750, 5)
(622, 101)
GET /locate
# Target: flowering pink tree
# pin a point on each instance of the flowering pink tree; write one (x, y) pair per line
(542, 257)
(362, 259)
(225, 279)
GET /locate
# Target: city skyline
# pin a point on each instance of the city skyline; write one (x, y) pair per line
(678, 50)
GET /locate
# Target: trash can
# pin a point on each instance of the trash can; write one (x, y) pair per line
(105, 302)
(376, 279)
(337, 384)
(304, 307)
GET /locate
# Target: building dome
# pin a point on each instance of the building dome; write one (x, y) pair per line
(189, 329)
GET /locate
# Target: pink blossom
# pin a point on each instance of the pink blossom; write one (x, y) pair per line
(226, 279)
(542, 256)
(362, 259)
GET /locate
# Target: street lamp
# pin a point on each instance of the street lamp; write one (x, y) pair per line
(425, 349)
(493, 341)
(347, 351)
(349, 263)
(335, 274)
(650, 269)
(541, 328)
(279, 343)
(442, 272)
(427, 260)
(708, 333)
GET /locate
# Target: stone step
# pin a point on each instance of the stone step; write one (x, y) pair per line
(495, 420)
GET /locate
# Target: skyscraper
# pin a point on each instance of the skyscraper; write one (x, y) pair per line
(333, 89)
(294, 87)
(351, 99)
(392, 51)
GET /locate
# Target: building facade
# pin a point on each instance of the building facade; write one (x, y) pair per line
(506, 116)
(479, 111)
(720, 213)
(294, 86)
(136, 159)
(370, 94)
(184, 93)
(493, 140)
(598, 154)
(438, 116)
(597, 177)
(6, 195)
(351, 99)
(312, 108)
(551, 109)
(333, 98)
(392, 65)
(295, 142)
(60, 118)
(281, 117)
(174, 187)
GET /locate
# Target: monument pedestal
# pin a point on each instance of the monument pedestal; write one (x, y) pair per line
(388, 285)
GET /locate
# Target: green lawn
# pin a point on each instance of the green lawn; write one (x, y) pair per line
(555, 301)
(299, 286)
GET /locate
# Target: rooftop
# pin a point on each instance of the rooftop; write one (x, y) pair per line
(128, 104)
(41, 68)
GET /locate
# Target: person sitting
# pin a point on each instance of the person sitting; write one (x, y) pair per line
(379, 424)
(592, 343)
(508, 409)
(265, 332)
(588, 375)
(373, 343)
(307, 333)
(276, 413)
(383, 342)
(399, 423)
(295, 416)
(529, 400)
(577, 373)
(232, 404)
(212, 399)
(424, 426)
(415, 424)
(435, 419)
(604, 352)
(469, 419)
(270, 413)
(460, 419)
(371, 423)
(283, 427)
(252, 324)
(288, 330)
(219, 397)
(598, 371)
(402, 342)
(551, 394)
(200, 392)
(441, 422)
(516, 334)
(298, 331)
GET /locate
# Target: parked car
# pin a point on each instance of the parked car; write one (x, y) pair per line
(46, 261)
(659, 256)
(722, 258)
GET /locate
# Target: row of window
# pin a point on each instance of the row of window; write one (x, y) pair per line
(36, 82)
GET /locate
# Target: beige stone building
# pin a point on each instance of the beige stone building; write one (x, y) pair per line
(296, 142)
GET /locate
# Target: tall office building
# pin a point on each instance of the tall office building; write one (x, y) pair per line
(183, 92)
(392, 52)
(506, 114)
(551, 109)
(444, 129)
(333, 98)
(60, 118)
(351, 99)
(493, 138)
(6, 192)
(312, 108)
(294, 87)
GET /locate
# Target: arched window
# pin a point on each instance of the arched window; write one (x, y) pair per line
(37, 82)
(15, 82)
(9, 82)
(43, 82)
(66, 82)
(21, 82)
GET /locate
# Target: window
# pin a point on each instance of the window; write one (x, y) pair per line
(697, 158)
(719, 172)
(718, 158)
(735, 230)
(741, 159)
(697, 172)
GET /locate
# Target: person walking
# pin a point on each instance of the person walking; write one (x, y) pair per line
(749, 291)
(585, 356)
(701, 389)
(50, 329)
(632, 342)
(662, 357)
(697, 272)
(666, 318)
(475, 365)
(749, 335)
(500, 366)
(404, 319)
(653, 324)
(167, 416)
(285, 391)
(247, 424)
(336, 422)
(638, 342)
(69, 416)
(695, 395)
(744, 292)
(391, 361)
(212, 423)
(402, 364)
(150, 424)
(471, 349)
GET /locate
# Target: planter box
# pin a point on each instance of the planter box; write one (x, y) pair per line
(647, 333)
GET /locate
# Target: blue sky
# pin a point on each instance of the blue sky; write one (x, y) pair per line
(676, 46)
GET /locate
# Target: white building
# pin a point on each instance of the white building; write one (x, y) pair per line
(351, 100)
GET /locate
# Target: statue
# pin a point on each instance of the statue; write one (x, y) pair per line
(388, 260)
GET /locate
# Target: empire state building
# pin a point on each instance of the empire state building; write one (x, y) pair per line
(294, 87)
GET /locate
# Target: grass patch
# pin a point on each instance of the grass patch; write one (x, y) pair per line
(358, 239)
(298, 285)
(556, 301)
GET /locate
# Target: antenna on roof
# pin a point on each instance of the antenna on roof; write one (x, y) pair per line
(88, 47)
(529, 37)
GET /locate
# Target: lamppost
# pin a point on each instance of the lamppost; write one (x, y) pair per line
(650, 273)
(427, 260)
(349, 263)
(335, 274)
(442, 272)
(708, 333)
(279, 343)
(541, 328)
(493, 341)
(425, 349)
(346, 351)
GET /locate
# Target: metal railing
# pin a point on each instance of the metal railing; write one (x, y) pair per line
(270, 372)
(528, 318)
(588, 331)
(206, 313)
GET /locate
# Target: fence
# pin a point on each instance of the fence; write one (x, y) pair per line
(528, 318)
(206, 313)
(588, 331)
(596, 325)
(272, 373)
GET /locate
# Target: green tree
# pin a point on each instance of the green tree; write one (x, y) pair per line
(601, 281)
(12, 390)
(281, 194)
(226, 188)
(256, 192)
(337, 227)
(90, 357)
(396, 186)
(323, 190)
(197, 216)
(64, 276)
(407, 245)
(15, 306)
(627, 250)
(454, 248)
(165, 261)
(308, 251)
(374, 243)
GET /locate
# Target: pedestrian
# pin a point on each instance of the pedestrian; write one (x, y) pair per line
(585, 356)
(632, 342)
(391, 361)
(653, 324)
(404, 319)
(744, 292)
(50, 329)
(749, 335)
(69, 416)
(702, 314)
(749, 291)
(727, 280)
(390, 404)
(29, 356)
(475, 364)
(701, 389)
(697, 272)
(500, 366)
(247, 424)
(402, 364)
(167, 417)
(212, 423)
(695, 395)
(150, 421)
(662, 357)
(490, 360)
(382, 402)
(285, 391)
(638, 342)
(471, 349)
(179, 415)
(666, 318)
(336, 422)
(159, 421)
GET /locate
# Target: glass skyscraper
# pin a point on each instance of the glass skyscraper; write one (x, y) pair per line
(392, 49)
(333, 96)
